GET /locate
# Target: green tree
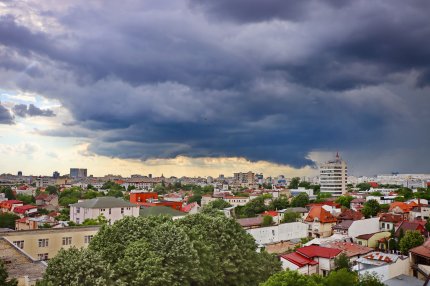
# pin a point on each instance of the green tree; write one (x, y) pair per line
(376, 194)
(342, 262)
(399, 199)
(363, 186)
(427, 226)
(117, 193)
(341, 277)
(100, 220)
(4, 280)
(51, 190)
(410, 240)
(345, 201)
(305, 185)
(130, 188)
(294, 183)
(26, 199)
(371, 208)
(407, 193)
(291, 278)
(7, 220)
(267, 220)
(290, 217)
(254, 207)
(91, 194)
(368, 279)
(301, 200)
(8, 193)
(76, 267)
(218, 204)
(279, 203)
(195, 198)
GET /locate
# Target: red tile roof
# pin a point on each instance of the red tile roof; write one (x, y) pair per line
(327, 203)
(189, 207)
(386, 217)
(23, 209)
(270, 213)
(367, 236)
(409, 225)
(298, 259)
(351, 249)
(422, 250)
(251, 221)
(318, 251)
(320, 213)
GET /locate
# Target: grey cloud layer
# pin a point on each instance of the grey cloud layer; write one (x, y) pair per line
(5, 116)
(22, 110)
(266, 80)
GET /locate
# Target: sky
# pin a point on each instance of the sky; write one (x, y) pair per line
(199, 88)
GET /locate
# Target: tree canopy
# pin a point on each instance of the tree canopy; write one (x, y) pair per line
(301, 200)
(4, 277)
(196, 250)
(345, 201)
(371, 208)
(410, 240)
(7, 220)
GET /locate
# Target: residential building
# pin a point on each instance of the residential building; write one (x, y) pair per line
(19, 265)
(334, 176)
(26, 210)
(357, 204)
(323, 256)
(278, 233)
(236, 201)
(384, 265)
(412, 226)
(349, 214)
(47, 201)
(419, 258)
(26, 223)
(9, 205)
(111, 208)
(352, 250)
(420, 212)
(137, 197)
(402, 208)
(388, 221)
(250, 222)
(43, 244)
(372, 239)
(248, 177)
(320, 222)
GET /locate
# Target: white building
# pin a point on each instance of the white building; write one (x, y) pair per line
(385, 265)
(334, 176)
(111, 208)
(278, 233)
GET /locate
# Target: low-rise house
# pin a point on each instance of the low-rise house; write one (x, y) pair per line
(348, 214)
(27, 223)
(302, 211)
(137, 197)
(419, 258)
(354, 228)
(320, 222)
(9, 205)
(352, 250)
(388, 221)
(420, 212)
(250, 222)
(385, 265)
(47, 201)
(19, 265)
(410, 225)
(402, 208)
(236, 201)
(382, 199)
(372, 239)
(192, 208)
(111, 208)
(324, 256)
(26, 210)
(279, 233)
(299, 263)
(357, 204)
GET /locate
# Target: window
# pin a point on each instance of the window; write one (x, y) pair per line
(19, 243)
(43, 242)
(78, 210)
(122, 210)
(78, 220)
(88, 238)
(110, 211)
(128, 209)
(67, 240)
(42, 256)
(102, 210)
(383, 225)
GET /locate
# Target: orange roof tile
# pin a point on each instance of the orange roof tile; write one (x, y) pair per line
(320, 213)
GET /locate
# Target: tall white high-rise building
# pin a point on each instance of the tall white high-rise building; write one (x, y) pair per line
(334, 176)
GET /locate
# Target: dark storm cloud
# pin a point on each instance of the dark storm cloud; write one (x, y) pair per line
(265, 80)
(22, 110)
(5, 116)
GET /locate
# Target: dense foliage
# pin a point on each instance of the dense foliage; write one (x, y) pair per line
(341, 277)
(4, 280)
(196, 250)
(371, 208)
(410, 240)
(7, 220)
(301, 200)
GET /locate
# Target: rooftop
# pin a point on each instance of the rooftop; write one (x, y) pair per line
(321, 214)
(103, 202)
(350, 249)
(298, 259)
(318, 251)
(160, 210)
(402, 280)
(250, 221)
(344, 225)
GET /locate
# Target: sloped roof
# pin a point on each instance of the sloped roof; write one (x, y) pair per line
(422, 250)
(160, 210)
(387, 217)
(350, 249)
(103, 202)
(320, 213)
(23, 209)
(349, 214)
(312, 251)
(409, 225)
(250, 221)
(298, 259)
(344, 225)
(367, 236)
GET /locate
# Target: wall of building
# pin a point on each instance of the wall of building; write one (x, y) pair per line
(363, 226)
(54, 236)
(282, 232)
(78, 215)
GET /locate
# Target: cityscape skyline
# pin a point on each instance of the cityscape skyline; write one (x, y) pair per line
(196, 88)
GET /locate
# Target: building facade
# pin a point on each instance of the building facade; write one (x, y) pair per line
(334, 176)
(78, 173)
